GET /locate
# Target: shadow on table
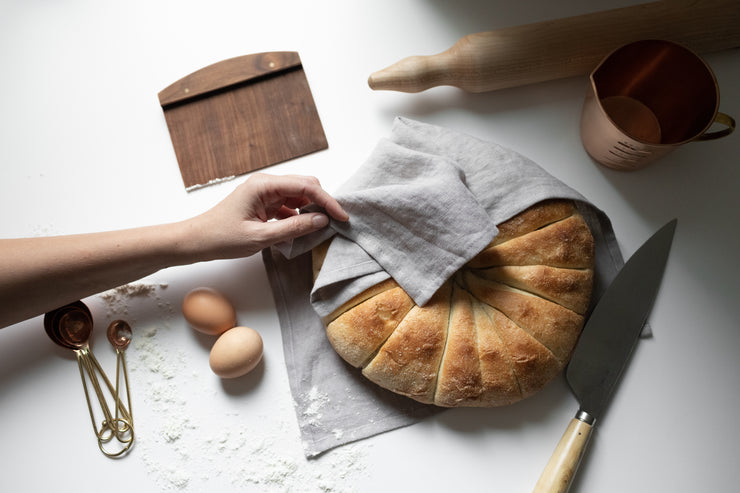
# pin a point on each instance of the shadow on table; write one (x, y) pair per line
(535, 408)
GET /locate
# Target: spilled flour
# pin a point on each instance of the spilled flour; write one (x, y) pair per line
(117, 300)
(316, 402)
(195, 433)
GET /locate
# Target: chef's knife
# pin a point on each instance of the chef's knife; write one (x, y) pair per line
(602, 352)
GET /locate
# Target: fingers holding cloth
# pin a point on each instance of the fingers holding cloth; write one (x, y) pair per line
(280, 199)
(263, 211)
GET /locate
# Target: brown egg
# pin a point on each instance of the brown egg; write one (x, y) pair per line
(208, 311)
(236, 352)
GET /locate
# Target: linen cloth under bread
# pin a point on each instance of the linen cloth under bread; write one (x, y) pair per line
(424, 203)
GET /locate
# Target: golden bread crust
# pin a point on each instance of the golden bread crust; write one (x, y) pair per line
(378, 316)
(408, 361)
(556, 327)
(562, 286)
(372, 291)
(566, 243)
(542, 214)
(498, 331)
(459, 376)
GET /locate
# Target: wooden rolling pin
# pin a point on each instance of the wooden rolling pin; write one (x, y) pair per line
(561, 48)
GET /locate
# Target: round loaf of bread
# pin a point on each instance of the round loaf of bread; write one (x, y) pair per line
(496, 332)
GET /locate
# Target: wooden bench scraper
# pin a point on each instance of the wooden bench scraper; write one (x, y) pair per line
(240, 115)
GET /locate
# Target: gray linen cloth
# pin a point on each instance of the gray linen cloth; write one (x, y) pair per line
(424, 203)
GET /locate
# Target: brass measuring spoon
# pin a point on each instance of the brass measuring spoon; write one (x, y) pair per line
(71, 326)
(119, 335)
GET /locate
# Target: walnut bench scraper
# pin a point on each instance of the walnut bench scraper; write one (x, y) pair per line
(240, 115)
(603, 351)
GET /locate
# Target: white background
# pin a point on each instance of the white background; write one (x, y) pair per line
(84, 147)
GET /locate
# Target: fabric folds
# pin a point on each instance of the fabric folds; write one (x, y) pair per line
(424, 203)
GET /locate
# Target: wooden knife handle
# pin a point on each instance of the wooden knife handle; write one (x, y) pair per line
(563, 464)
(566, 47)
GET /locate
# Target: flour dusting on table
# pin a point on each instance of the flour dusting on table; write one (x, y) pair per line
(189, 440)
(117, 300)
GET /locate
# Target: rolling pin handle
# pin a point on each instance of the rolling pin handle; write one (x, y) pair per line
(413, 74)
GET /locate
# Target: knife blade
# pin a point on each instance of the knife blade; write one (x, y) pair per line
(603, 350)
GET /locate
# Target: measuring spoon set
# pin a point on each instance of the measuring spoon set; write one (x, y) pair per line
(71, 327)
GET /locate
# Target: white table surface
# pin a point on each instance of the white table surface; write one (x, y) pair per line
(84, 147)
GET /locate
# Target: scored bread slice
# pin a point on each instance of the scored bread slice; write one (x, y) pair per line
(459, 372)
(533, 218)
(378, 316)
(566, 243)
(531, 362)
(562, 286)
(555, 326)
(409, 360)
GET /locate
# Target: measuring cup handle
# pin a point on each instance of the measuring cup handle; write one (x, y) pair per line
(722, 119)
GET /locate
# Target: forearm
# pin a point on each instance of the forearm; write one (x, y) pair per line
(40, 274)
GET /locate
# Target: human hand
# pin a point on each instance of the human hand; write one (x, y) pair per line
(260, 212)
